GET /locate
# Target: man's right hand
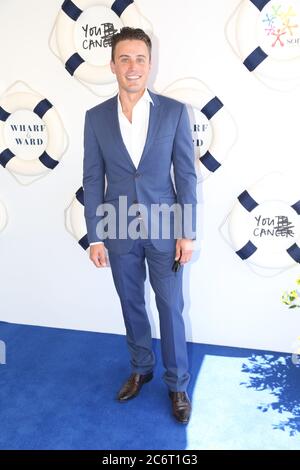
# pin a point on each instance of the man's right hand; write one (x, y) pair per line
(97, 255)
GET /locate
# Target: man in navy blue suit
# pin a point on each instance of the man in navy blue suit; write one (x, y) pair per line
(134, 140)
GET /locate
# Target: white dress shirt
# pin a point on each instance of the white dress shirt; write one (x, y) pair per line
(134, 134)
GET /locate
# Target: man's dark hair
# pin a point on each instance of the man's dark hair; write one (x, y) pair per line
(131, 34)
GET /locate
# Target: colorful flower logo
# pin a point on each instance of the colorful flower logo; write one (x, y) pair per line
(279, 29)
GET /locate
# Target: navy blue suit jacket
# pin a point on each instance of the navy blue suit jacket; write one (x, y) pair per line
(168, 142)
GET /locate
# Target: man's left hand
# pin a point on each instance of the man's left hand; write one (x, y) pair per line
(184, 250)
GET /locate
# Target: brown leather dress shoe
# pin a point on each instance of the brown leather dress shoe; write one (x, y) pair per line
(181, 405)
(133, 385)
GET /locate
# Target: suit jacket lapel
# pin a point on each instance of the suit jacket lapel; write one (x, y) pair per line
(116, 131)
(154, 124)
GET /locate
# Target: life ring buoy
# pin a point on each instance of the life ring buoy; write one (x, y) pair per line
(70, 11)
(50, 157)
(212, 115)
(267, 40)
(264, 224)
(3, 216)
(75, 220)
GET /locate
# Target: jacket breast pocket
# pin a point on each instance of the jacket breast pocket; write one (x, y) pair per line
(163, 138)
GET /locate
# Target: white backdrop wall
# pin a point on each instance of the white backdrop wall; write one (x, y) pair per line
(47, 279)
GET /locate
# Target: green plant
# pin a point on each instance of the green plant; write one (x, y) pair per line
(292, 298)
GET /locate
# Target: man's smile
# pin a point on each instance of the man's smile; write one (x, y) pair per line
(133, 77)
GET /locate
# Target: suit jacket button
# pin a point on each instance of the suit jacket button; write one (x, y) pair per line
(137, 175)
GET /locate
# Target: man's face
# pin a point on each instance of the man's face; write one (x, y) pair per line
(131, 65)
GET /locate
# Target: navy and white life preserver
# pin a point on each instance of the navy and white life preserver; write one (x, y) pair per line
(264, 225)
(3, 216)
(70, 11)
(212, 115)
(75, 221)
(55, 130)
(267, 37)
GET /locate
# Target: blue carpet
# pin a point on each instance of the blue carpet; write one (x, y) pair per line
(58, 388)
